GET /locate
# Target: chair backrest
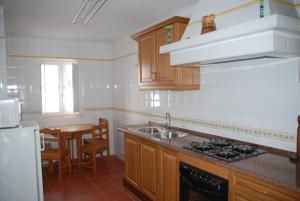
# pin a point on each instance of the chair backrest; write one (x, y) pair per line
(100, 133)
(55, 136)
(104, 129)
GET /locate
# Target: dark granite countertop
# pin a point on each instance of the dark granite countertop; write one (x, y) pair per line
(269, 167)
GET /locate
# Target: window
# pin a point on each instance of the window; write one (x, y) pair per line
(59, 91)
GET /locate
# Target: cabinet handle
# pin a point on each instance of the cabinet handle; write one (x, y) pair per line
(154, 75)
(43, 141)
(258, 190)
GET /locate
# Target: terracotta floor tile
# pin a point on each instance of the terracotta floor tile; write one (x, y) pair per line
(83, 190)
(115, 195)
(84, 185)
(127, 199)
(60, 196)
(97, 177)
(78, 179)
(80, 184)
(98, 183)
(92, 197)
(107, 188)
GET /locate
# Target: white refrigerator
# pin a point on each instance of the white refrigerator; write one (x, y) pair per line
(20, 163)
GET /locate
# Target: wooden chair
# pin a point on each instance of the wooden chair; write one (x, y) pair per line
(97, 144)
(56, 149)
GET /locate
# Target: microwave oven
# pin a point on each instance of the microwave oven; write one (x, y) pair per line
(10, 113)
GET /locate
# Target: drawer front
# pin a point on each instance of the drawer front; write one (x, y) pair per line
(236, 195)
(255, 187)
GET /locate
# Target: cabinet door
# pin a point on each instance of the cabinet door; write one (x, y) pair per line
(132, 160)
(147, 56)
(188, 76)
(166, 73)
(149, 172)
(169, 175)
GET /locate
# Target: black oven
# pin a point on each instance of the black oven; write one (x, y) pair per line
(199, 185)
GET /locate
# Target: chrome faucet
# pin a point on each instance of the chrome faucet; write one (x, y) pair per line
(168, 118)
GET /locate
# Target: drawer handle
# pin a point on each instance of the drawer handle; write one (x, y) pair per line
(258, 190)
(154, 75)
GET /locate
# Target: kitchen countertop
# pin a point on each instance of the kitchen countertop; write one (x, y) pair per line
(269, 167)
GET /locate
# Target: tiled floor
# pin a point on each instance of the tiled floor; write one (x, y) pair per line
(106, 185)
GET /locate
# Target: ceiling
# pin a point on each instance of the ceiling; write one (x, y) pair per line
(117, 18)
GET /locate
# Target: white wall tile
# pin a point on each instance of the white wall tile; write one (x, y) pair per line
(2, 25)
(286, 96)
(3, 72)
(58, 48)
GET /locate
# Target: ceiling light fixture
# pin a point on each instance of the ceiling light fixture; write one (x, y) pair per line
(88, 9)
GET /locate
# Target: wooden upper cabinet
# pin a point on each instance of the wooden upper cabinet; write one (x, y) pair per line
(167, 74)
(147, 58)
(155, 69)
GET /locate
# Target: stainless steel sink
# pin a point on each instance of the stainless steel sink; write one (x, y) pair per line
(150, 130)
(157, 133)
(169, 135)
(147, 130)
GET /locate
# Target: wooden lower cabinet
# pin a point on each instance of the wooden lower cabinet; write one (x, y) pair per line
(149, 169)
(169, 175)
(132, 160)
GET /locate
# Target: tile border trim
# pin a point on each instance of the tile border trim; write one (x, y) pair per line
(125, 56)
(70, 58)
(56, 57)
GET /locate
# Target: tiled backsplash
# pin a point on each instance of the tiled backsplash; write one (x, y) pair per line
(261, 97)
(2, 56)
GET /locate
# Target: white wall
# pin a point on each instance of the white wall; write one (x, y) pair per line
(94, 77)
(253, 103)
(2, 56)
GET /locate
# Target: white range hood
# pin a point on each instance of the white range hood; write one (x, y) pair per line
(275, 36)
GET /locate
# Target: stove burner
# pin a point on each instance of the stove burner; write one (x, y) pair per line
(201, 146)
(224, 149)
(195, 144)
(227, 154)
(220, 143)
(244, 149)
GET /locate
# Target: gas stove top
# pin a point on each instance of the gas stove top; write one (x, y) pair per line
(224, 149)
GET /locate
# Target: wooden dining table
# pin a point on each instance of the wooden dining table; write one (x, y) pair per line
(74, 132)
